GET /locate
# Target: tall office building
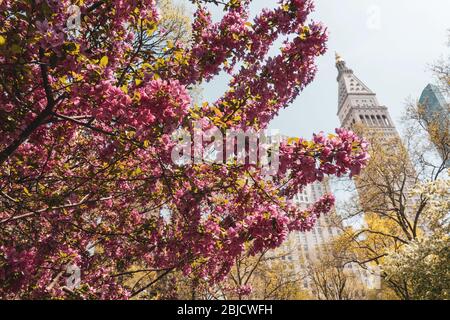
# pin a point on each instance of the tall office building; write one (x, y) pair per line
(358, 107)
(437, 112)
(357, 104)
(433, 100)
(360, 110)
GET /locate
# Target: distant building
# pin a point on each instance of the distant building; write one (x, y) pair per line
(436, 110)
(302, 249)
(433, 100)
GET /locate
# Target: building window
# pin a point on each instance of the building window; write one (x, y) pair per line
(380, 122)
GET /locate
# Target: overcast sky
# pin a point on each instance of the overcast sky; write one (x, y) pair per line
(388, 43)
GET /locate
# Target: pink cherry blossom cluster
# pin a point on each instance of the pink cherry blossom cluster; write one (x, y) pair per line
(166, 102)
(306, 162)
(86, 124)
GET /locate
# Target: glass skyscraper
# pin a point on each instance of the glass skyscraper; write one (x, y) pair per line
(436, 108)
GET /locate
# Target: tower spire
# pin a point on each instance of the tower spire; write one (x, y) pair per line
(341, 66)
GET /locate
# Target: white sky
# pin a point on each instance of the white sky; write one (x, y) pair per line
(388, 43)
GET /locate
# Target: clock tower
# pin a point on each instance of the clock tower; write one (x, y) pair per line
(358, 104)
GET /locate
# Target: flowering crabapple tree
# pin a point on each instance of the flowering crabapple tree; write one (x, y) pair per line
(86, 118)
